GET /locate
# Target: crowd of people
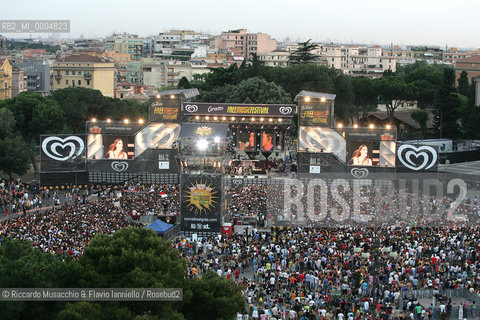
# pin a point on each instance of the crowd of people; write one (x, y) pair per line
(342, 272)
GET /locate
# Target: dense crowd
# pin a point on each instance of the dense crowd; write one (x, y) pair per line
(343, 272)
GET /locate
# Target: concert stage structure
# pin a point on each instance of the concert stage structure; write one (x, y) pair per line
(206, 147)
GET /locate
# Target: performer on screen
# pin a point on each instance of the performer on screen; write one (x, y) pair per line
(267, 142)
(115, 151)
(360, 157)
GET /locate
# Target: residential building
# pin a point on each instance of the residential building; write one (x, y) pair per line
(84, 71)
(241, 43)
(34, 53)
(471, 65)
(3, 45)
(120, 60)
(358, 60)
(276, 58)
(5, 79)
(37, 73)
(125, 43)
(19, 82)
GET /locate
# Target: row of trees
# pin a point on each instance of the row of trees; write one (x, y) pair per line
(30, 114)
(131, 258)
(432, 86)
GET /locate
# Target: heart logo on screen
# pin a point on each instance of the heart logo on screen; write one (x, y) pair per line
(237, 182)
(285, 110)
(60, 149)
(191, 108)
(119, 166)
(359, 173)
(421, 158)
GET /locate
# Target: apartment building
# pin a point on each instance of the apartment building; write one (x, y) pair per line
(276, 58)
(5, 79)
(37, 73)
(471, 65)
(19, 82)
(84, 71)
(120, 61)
(241, 43)
(131, 44)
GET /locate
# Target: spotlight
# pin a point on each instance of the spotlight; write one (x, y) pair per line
(158, 96)
(207, 118)
(224, 118)
(109, 120)
(307, 99)
(340, 125)
(355, 126)
(253, 119)
(323, 99)
(232, 118)
(262, 119)
(215, 118)
(371, 126)
(388, 127)
(172, 96)
(197, 117)
(94, 119)
(243, 119)
(270, 120)
(140, 121)
(202, 145)
(280, 120)
(126, 121)
(217, 139)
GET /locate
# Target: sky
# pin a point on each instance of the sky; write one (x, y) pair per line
(384, 22)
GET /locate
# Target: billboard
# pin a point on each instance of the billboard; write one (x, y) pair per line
(234, 109)
(316, 114)
(119, 128)
(165, 110)
(156, 136)
(321, 139)
(201, 203)
(412, 158)
(62, 153)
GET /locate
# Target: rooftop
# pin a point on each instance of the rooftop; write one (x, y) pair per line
(83, 58)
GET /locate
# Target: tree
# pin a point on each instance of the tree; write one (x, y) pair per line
(78, 104)
(303, 54)
(257, 90)
(463, 83)
(183, 83)
(424, 93)
(34, 115)
(365, 96)
(344, 100)
(14, 157)
(448, 104)
(22, 266)
(213, 297)
(134, 258)
(394, 91)
(421, 117)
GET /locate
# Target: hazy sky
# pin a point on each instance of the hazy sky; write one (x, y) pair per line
(432, 22)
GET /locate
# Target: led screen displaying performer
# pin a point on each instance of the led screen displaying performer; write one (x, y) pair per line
(116, 150)
(361, 157)
(246, 141)
(267, 141)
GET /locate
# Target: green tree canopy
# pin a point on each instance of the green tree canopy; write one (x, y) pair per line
(394, 91)
(258, 90)
(421, 117)
(304, 54)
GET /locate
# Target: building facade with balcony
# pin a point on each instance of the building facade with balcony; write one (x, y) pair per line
(130, 44)
(276, 58)
(19, 82)
(84, 71)
(471, 65)
(244, 44)
(5, 79)
(37, 74)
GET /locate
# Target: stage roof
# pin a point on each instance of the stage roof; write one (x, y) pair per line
(316, 95)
